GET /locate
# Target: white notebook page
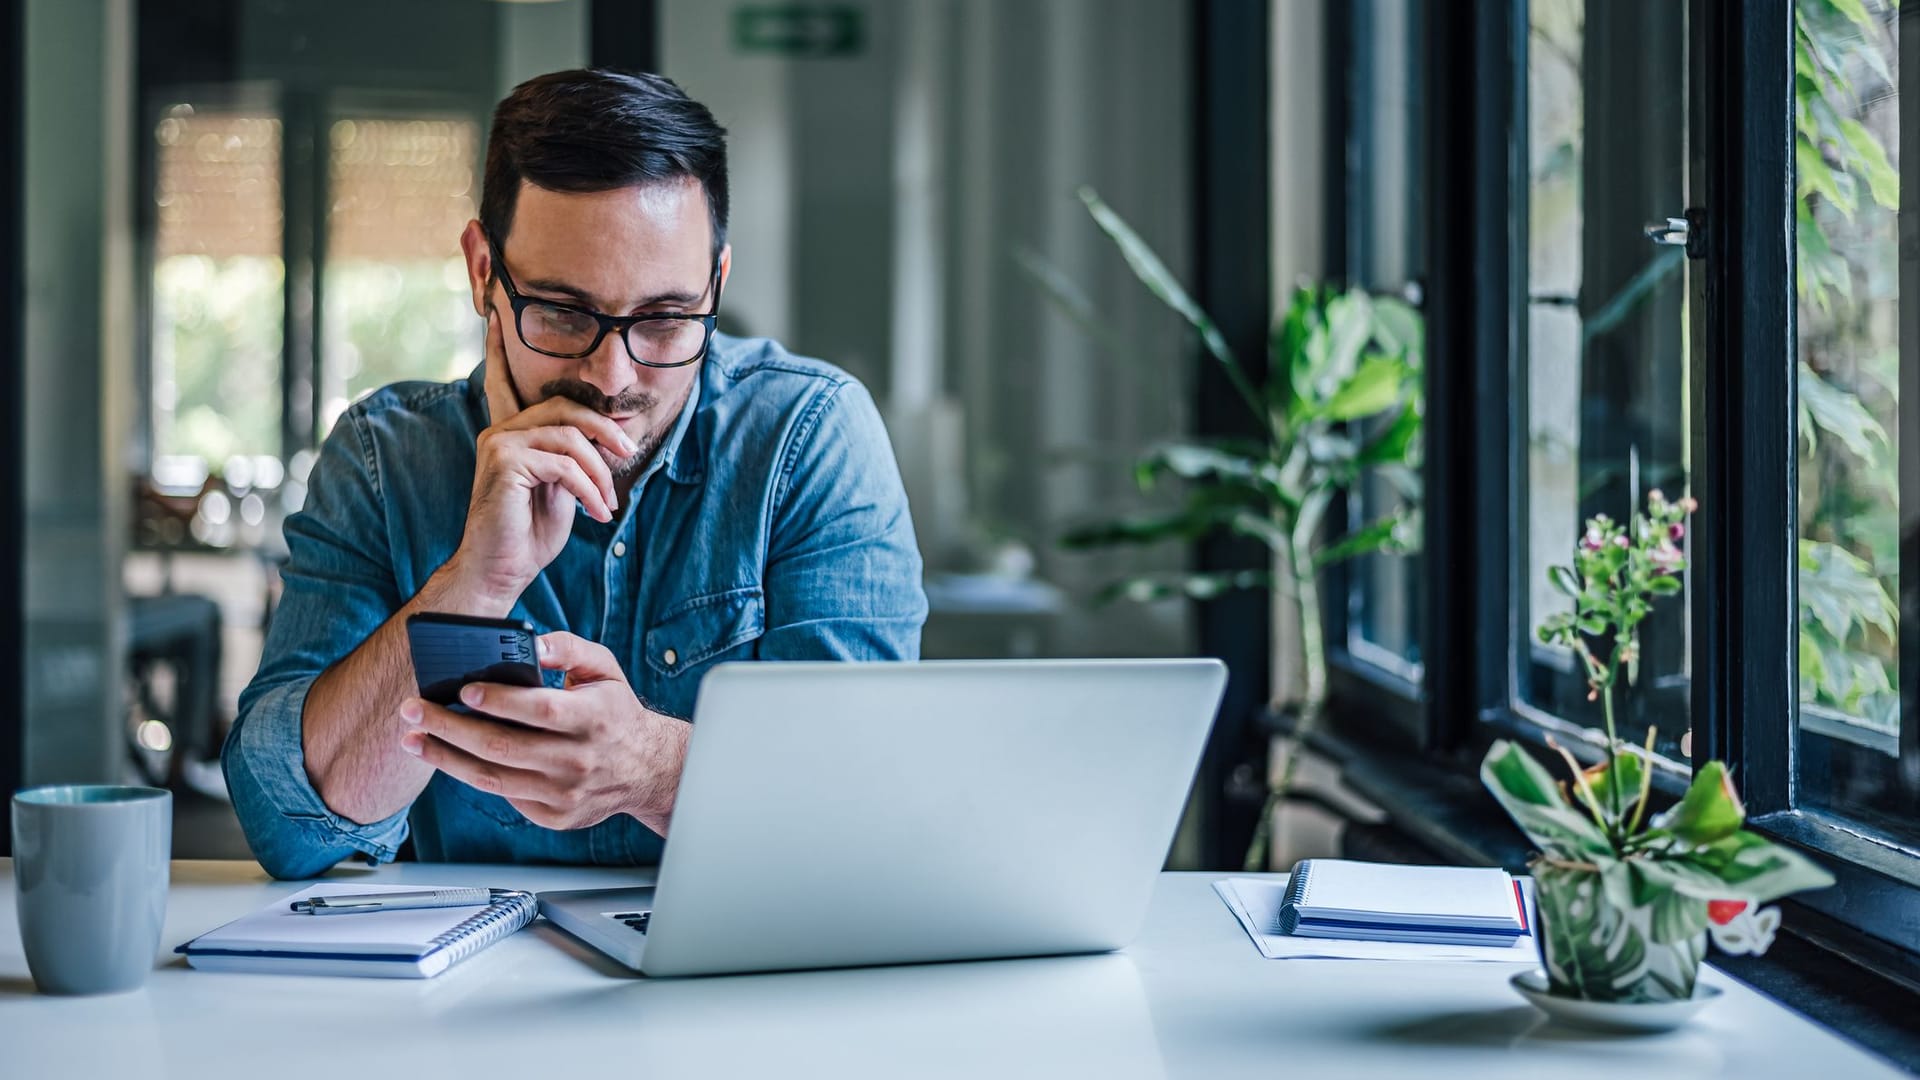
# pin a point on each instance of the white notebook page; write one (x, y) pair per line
(1461, 895)
(277, 928)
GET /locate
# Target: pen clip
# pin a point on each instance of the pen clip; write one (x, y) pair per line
(313, 904)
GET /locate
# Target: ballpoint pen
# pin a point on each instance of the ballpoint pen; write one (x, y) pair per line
(394, 901)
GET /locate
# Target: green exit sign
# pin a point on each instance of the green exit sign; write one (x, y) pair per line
(807, 30)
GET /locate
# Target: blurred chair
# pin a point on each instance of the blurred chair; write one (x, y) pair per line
(173, 660)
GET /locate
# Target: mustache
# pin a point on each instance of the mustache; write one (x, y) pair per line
(627, 402)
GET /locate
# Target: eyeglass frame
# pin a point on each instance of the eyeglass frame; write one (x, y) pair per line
(607, 323)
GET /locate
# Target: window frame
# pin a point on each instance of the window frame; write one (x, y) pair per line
(1742, 588)
(1368, 681)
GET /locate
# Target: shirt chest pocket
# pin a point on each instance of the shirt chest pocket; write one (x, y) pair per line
(705, 630)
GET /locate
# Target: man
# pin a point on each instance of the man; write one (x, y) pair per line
(654, 497)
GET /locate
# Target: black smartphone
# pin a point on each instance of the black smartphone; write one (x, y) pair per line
(450, 651)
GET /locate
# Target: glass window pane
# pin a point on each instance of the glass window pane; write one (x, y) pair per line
(1853, 366)
(1386, 254)
(1603, 391)
(395, 294)
(217, 287)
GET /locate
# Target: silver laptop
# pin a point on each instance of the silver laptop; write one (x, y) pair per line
(840, 814)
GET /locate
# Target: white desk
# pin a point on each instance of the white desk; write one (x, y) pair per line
(1190, 998)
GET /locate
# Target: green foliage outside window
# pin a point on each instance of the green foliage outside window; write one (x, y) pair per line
(394, 321)
(1847, 196)
(217, 326)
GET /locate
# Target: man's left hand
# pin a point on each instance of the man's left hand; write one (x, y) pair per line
(585, 753)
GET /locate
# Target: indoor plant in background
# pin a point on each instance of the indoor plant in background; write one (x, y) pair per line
(1626, 897)
(1341, 398)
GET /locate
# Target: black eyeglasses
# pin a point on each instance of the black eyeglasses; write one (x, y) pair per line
(566, 332)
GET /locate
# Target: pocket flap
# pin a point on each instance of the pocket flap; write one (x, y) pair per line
(697, 630)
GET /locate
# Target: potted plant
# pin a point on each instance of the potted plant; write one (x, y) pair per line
(1626, 897)
(1341, 397)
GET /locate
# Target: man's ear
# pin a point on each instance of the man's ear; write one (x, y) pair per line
(473, 244)
(726, 264)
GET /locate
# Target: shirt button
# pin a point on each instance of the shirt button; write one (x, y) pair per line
(670, 657)
(619, 548)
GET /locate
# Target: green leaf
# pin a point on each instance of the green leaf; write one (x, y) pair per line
(1855, 13)
(1620, 776)
(1297, 344)
(1654, 875)
(1398, 328)
(1384, 534)
(1149, 587)
(1398, 443)
(1374, 386)
(1803, 66)
(1161, 282)
(1677, 916)
(1067, 298)
(1709, 811)
(1839, 413)
(1530, 796)
(1883, 181)
(1144, 529)
(1257, 526)
(1817, 178)
(1748, 866)
(1349, 329)
(1194, 461)
(1840, 592)
(1813, 666)
(1564, 579)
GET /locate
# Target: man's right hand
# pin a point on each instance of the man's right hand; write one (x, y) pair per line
(532, 466)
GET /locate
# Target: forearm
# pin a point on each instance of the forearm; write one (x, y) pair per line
(350, 729)
(655, 795)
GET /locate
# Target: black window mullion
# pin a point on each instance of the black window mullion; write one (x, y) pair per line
(624, 34)
(1231, 204)
(1743, 433)
(1465, 297)
(1501, 237)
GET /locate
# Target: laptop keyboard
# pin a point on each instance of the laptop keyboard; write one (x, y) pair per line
(634, 920)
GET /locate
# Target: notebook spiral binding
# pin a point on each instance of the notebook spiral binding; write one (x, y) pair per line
(1296, 895)
(511, 909)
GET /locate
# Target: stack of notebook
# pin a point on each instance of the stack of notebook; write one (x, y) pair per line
(1440, 905)
(1340, 908)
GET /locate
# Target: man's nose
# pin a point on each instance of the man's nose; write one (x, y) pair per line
(609, 368)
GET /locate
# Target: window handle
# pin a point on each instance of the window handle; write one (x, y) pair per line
(1681, 232)
(1674, 232)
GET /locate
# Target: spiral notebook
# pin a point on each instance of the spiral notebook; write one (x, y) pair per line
(411, 944)
(1439, 905)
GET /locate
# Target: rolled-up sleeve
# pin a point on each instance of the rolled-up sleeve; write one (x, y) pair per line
(843, 576)
(338, 589)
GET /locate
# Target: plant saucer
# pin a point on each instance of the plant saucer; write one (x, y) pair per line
(1637, 1017)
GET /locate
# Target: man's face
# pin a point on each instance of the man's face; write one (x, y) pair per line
(627, 251)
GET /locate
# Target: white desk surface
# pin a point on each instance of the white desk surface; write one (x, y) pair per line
(1191, 997)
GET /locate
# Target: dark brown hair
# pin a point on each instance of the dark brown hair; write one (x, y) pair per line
(597, 130)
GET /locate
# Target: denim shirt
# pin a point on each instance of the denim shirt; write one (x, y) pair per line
(770, 525)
